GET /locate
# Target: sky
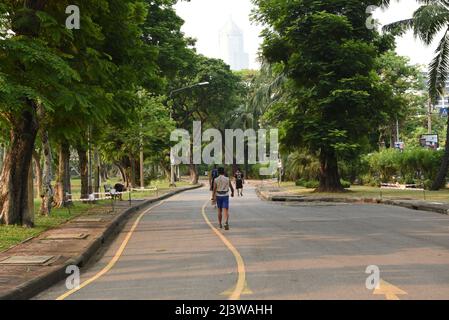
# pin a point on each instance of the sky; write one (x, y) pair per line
(407, 45)
(205, 18)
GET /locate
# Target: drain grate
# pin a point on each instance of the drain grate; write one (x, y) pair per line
(89, 220)
(67, 236)
(26, 260)
(4, 281)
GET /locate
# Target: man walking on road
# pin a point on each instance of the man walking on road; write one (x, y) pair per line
(213, 175)
(220, 195)
(239, 181)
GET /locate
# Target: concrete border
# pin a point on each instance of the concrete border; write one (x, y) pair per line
(441, 208)
(32, 287)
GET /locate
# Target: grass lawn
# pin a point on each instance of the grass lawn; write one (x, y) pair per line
(162, 186)
(373, 192)
(12, 235)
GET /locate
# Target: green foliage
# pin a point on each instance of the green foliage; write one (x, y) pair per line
(162, 30)
(300, 182)
(428, 21)
(414, 165)
(214, 104)
(308, 184)
(346, 184)
(254, 172)
(337, 99)
(313, 184)
(408, 105)
(301, 164)
(148, 127)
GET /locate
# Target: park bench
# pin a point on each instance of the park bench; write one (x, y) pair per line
(396, 186)
(402, 187)
(155, 189)
(112, 192)
(91, 198)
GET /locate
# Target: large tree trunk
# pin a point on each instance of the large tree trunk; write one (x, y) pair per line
(84, 171)
(14, 205)
(132, 173)
(104, 173)
(37, 171)
(194, 177)
(63, 178)
(29, 213)
(2, 155)
(137, 173)
(329, 176)
(47, 192)
(123, 174)
(440, 180)
(96, 172)
(166, 170)
(193, 170)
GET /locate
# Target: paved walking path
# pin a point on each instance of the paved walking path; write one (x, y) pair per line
(32, 266)
(273, 251)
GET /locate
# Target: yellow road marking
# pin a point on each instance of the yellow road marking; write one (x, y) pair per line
(116, 257)
(229, 292)
(390, 291)
(241, 281)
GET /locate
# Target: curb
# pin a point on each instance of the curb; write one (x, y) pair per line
(440, 208)
(32, 287)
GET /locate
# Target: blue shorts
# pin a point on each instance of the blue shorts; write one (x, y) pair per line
(223, 202)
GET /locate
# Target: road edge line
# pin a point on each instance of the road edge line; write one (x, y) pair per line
(33, 287)
(116, 256)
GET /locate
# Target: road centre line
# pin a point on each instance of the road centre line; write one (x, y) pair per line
(241, 281)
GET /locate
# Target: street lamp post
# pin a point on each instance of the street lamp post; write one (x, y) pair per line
(172, 160)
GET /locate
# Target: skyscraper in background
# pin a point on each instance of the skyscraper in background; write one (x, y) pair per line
(232, 49)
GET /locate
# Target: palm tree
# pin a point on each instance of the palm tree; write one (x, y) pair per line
(263, 89)
(431, 18)
(302, 164)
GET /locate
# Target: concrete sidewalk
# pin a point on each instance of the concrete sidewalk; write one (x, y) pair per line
(276, 195)
(40, 262)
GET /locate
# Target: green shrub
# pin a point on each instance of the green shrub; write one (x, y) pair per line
(427, 184)
(312, 184)
(411, 166)
(345, 184)
(302, 165)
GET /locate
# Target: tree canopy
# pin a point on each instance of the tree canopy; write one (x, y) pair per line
(329, 57)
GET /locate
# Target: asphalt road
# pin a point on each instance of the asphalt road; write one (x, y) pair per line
(273, 251)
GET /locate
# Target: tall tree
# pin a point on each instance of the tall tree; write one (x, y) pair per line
(32, 71)
(82, 76)
(428, 21)
(215, 105)
(407, 84)
(329, 56)
(171, 56)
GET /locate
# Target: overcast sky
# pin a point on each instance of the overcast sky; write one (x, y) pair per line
(205, 18)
